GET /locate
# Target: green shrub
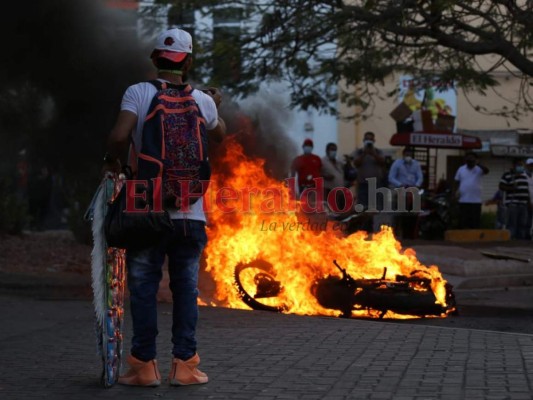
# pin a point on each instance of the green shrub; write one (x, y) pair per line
(13, 210)
(488, 220)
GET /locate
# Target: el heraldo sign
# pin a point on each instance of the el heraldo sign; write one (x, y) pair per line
(436, 140)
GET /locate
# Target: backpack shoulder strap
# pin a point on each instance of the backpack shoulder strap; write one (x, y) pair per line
(165, 85)
(158, 84)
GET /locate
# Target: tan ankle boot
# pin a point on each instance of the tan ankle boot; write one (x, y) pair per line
(186, 372)
(141, 373)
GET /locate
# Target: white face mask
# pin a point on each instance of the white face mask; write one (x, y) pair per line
(368, 143)
(332, 154)
(307, 149)
(408, 159)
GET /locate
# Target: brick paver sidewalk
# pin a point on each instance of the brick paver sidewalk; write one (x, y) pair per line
(48, 352)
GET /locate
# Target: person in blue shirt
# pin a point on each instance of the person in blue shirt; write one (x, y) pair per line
(406, 172)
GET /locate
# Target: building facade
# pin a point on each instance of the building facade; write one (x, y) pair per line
(501, 138)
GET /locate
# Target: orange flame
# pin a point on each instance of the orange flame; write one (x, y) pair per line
(253, 219)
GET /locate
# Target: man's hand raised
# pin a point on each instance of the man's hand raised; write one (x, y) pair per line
(215, 95)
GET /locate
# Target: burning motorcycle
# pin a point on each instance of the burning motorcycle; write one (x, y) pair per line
(406, 295)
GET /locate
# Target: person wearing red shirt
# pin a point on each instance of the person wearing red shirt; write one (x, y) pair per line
(307, 166)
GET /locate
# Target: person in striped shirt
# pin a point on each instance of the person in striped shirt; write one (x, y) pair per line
(514, 184)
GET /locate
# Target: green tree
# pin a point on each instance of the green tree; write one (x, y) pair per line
(316, 45)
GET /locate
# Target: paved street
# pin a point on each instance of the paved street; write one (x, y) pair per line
(48, 352)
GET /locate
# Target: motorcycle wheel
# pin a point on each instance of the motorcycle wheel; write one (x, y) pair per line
(266, 286)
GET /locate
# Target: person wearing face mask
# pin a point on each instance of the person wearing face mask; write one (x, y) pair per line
(333, 174)
(406, 172)
(468, 188)
(370, 164)
(514, 184)
(307, 166)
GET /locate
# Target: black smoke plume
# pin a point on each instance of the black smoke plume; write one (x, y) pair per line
(260, 124)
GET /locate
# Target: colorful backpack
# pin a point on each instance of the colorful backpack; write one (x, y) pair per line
(174, 147)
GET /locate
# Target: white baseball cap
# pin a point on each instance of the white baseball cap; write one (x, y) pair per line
(529, 161)
(173, 44)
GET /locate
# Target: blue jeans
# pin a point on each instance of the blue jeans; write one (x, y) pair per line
(184, 247)
(517, 216)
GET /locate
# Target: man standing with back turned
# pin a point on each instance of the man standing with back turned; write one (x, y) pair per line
(172, 56)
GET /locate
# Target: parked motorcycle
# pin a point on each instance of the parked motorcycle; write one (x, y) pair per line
(408, 295)
(435, 217)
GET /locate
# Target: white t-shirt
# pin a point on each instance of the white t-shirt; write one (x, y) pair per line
(469, 184)
(137, 99)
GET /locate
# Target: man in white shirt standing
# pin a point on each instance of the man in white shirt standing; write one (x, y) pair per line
(468, 178)
(172, 56)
